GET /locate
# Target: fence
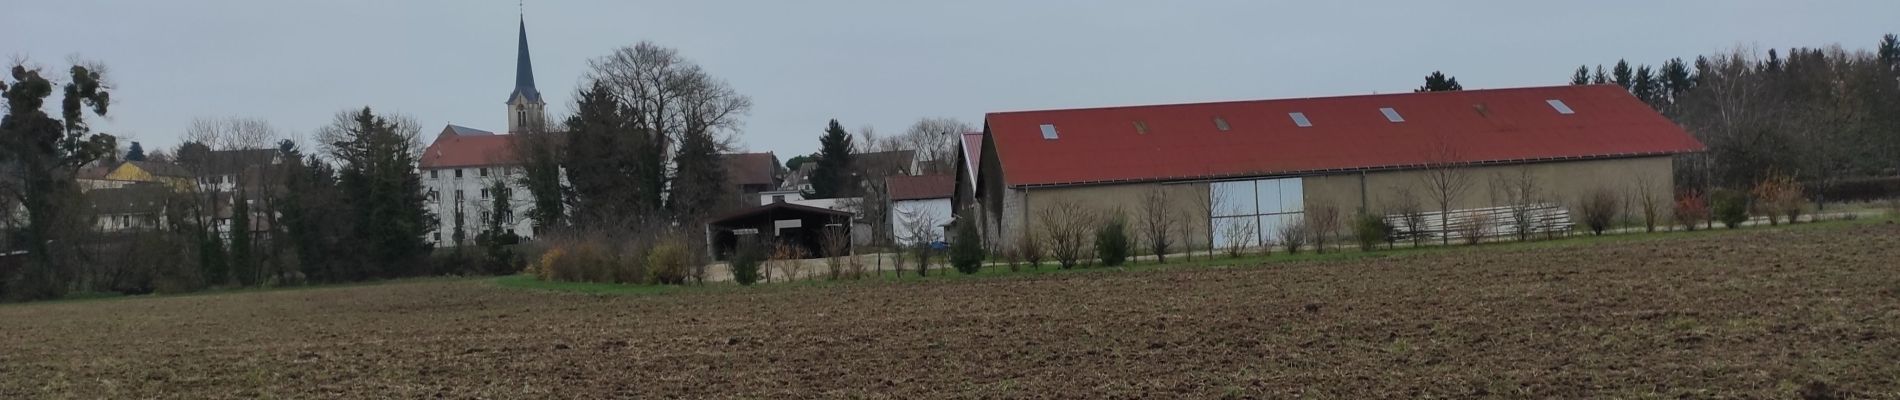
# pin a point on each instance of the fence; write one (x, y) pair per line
(1542, 218)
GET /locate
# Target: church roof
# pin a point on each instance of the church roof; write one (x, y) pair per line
(524, 71)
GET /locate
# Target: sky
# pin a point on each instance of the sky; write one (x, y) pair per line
(882, 64)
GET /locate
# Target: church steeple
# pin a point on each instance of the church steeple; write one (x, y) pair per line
(524, 105)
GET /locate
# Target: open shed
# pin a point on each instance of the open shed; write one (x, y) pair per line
(779, 223)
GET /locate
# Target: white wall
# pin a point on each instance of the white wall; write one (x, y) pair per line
(444, 185)
(936, 212)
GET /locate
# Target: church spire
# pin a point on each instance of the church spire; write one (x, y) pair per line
(524, 70)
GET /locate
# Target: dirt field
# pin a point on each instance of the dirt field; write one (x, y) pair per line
(1758, 314)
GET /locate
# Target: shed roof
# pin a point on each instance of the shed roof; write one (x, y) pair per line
(751, 168)
(1264, 137)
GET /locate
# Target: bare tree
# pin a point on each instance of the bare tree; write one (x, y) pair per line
(1294, 235)
(1240, 235)
(1067, 228)
(1157, 224)
(672, 94)
(836, 242)
(1411, 215)
(1323, 223)
(1445, 182)
(1649, 202)
(935, 141)
(1521, 196)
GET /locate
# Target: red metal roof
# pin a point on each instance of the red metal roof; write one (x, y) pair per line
(1184, 141)
(920, 187)
(463, 147)
(972, 153)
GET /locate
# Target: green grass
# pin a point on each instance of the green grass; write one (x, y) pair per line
(995, 270)
(111, 296)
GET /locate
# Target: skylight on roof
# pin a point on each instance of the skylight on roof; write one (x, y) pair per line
(1300, 119)
(1141, 127)
(1049, 131)
(1221, 123)
(1391, 114)
(1560, 106)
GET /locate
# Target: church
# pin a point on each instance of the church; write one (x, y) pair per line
(462, 163)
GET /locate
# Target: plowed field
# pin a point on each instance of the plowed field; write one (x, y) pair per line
(1764, 313)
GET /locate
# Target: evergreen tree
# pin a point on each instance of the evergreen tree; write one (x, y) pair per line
(212, 261)
(1623, 74)
(1645, 86)
(314, 221)
(1582, 77)
(833, 177)
(1438, 82)
(1889, 51)
(242, 261)
(966, 250)
(1599, 77)
(137, 153)
(541, 158)
(383, 192)
(699, 178)
(1675, 80)
(615, 164)
(37, 151)
(497, 234)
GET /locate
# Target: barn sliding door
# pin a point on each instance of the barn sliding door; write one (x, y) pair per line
(1251, 213)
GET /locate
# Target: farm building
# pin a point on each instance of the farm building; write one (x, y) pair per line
(1250, 167)
(919, 206)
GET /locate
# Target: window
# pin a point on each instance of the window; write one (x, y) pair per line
(434, 195)
(1300, 119)
(436, 236)
(484, 193)
(1560, 106)
(484, 172)
(1141, 127)
(458, 195)
(1049, 131)
(433, 175)
(1391, 114)
(458, 173)
(1221, 124)
(485, 215)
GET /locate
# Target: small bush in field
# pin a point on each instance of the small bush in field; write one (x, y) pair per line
(1691, 211)
(746, 262)
(1111, 242)
(1294, 235)
(668, 263)
(1370, 229)
(1476, 228)
(1030, 249)
(966, 251)
(544, 269)
(1730, 208)
(1599, 209)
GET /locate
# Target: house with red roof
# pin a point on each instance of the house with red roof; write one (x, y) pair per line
(919, 206)
(459, 167)
(1255, 166)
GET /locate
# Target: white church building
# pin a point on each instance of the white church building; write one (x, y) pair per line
(462, 164)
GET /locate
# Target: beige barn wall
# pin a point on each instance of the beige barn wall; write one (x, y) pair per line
(1560, 182)
(1187, 202)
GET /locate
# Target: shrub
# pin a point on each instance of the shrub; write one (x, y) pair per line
(746, 262)
(1322, 223)
(1476, 228)
(1111, 242)
(1691, 210)
(1370, 229)
(668, 263)
(1294, 235)
(966, 252)
(1066, 227)
(1030, 249)
(1778, 195)
(1599, 209)
(1730, 208)
(785, 258)
(544, 269)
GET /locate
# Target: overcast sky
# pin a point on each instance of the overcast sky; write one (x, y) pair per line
(878, 63)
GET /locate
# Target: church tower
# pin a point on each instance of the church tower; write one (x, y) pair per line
(525, 108)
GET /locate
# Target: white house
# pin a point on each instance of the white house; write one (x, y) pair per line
(920, 207)
(462, 164)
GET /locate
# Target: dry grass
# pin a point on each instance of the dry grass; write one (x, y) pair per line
(1751, 314)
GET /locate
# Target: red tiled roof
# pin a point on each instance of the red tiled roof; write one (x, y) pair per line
(1182, 141)
(919, 187)
(468, 148)
(750, 168)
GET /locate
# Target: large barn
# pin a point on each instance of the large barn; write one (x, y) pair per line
(1262, 164)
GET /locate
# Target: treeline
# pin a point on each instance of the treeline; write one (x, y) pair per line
(1824, 115)
(622, 188)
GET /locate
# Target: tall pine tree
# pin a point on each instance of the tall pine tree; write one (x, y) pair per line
(833, 177)
(1582, 77)
(1623, 74)
(383, 192)
(137, 153)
